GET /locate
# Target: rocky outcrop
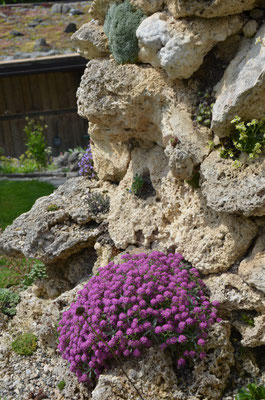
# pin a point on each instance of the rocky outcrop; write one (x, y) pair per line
(217, 8)
(241, 91)
(179, 46)
(90, 41)
(159, 186)
(234, 190)
(176, 218)
(110, 159)
(136, 104)
(179, 8)
(154, 377)
(252, 269)
(238, 301)
(57, 226)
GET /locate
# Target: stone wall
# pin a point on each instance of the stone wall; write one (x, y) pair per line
(142, 122)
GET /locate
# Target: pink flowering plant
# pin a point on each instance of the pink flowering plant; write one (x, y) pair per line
(146, 300)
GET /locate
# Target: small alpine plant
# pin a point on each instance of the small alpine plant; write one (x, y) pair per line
(86, 166)
(145, 301)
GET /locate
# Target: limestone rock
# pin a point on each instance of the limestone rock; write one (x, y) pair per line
(90, 41)
(252, 269)
(252, 336)
(211, 374)
(234, 190)
(176, 218)
(130, 101)
(202, 8)
(241, 90)
(236, 296)
(179, 46)
(188, 147)
(60, 8)
(148, 7)
(153, 376)
(53, 235)
(110, 159)
(250, 28)
(99, 9)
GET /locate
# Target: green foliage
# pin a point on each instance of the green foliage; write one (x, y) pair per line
(53, 207)
(204, 109)
(18, 197)
(21, 272)
(137, 184)
(248, 319)
(36, 142)
(8, 302)
(98, 203)
(248, 138)
(61, 385)
(25, 344)
(37, 271)
(252, 392)
(195, 180)
(121, 23)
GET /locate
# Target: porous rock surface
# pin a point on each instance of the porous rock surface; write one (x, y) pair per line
(176, 217)
(237, 298)
(90, 41)
(53, 235)
(136, 104)
(234, 190)
(216, 8)
(178, 8)
(143, 122)
(241, 90)
(252, 268)
(179, 46)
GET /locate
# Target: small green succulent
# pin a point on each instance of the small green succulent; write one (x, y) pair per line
(53, 207)
(8, 302)
(25, 344)
(137, 184)
(248, 138)
(204, 109)
(61, 385)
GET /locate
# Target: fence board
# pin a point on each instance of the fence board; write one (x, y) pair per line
(51, 94)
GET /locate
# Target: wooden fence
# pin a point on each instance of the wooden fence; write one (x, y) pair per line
(50, 93)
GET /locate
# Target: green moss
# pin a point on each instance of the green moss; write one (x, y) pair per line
(53, 207)
(25, 344)
(194, 181)
(8, 302)
(120, 26)
(61, 385)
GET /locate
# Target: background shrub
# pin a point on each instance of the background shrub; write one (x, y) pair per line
(121, 23)
(145, 301)
(36, 142)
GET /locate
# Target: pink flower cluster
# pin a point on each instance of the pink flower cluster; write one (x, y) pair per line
(145, 301)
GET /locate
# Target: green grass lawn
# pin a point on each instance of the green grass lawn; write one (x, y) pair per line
(18, 197)
(15, 199)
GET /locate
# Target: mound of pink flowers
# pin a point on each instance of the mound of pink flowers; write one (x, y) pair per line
(146, 300)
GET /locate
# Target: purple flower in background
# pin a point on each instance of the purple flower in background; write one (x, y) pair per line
(86, 166)
(129, 307)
